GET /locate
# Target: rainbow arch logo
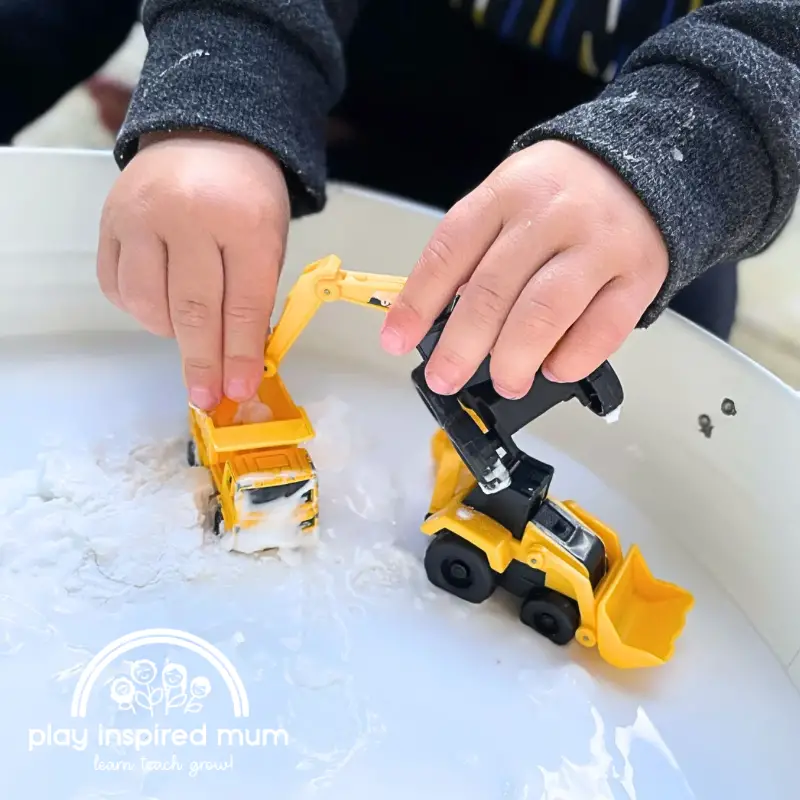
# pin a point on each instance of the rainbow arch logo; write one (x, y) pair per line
(160, 636)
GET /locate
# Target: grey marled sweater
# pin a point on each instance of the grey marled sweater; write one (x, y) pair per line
(703, 120)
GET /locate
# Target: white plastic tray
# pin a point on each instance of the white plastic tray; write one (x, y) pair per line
(384, 687)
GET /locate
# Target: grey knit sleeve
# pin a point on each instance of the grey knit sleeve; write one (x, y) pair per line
(703, 122)
(267, 71)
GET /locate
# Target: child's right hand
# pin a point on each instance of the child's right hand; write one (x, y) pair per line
(192, 241)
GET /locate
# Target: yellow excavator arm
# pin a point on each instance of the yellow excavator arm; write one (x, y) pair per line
(322, 282)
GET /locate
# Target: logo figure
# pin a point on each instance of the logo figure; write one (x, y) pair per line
(145, 689)
(141, 689)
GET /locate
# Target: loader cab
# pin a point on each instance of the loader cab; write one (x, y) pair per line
(577, 540)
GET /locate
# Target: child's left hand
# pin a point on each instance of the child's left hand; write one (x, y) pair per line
(558, 260)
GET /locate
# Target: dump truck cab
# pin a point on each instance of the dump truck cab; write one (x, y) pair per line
(270, 500)
(262, 482)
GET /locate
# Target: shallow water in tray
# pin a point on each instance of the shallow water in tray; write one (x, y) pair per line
(353, 676)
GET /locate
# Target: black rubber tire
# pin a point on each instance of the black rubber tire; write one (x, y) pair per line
(551, 615)
(460, 568)
(218, 528)
(191, 454)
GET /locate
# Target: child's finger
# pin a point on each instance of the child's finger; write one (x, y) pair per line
(195, 282)
(553, 299)
(107, 264)
(484, 304)
(455, 249)
(600, 331)
(142, 282)
(251, 275)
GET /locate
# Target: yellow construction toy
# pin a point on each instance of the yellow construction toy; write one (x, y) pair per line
(263, 478)
(567, 567)
(491, 519)
(494, 524)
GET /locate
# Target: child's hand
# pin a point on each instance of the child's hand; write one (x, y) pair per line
(192, 240)
(558, 260)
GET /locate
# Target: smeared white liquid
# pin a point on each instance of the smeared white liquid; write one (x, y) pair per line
(278, 528)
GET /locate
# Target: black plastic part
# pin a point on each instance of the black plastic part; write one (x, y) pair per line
(219, 522)
(492, 457)
(191, 454)
(583, 545)
(480, 452)
(515, 506)
(551, 614)
(460, 568)
(601, 391)
(520, 579)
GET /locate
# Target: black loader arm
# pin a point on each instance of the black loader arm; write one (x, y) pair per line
(492, 456)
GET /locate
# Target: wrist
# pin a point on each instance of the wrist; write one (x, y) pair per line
(256, 85)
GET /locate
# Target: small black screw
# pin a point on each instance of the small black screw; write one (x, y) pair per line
(704, 421)
(728, 407)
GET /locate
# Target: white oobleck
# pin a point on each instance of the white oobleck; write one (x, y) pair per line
(386, 688)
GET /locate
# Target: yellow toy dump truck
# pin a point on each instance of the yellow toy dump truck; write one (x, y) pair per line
(264, 480)
(494, 525)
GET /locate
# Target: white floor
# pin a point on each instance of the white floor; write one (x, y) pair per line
(768, 329)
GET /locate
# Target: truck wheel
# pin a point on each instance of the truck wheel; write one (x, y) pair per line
(191, 454)
(458, 567)
(552, 615)
(219, 522)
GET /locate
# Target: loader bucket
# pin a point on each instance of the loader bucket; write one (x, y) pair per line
(638, 616)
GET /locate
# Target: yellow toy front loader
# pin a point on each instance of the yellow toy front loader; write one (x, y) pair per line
(567, 567)
(494, 524)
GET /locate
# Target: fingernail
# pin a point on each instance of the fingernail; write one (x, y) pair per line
(549, 375)
(508, 394)
(238, 390)
(392, 341)
(436, 384)
(201, 397)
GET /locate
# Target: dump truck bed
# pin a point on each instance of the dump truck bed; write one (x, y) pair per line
(227, 429)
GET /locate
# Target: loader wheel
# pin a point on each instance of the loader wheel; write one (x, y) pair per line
(191, 454)
(552, 615)
(460, 568)
(218, 528)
